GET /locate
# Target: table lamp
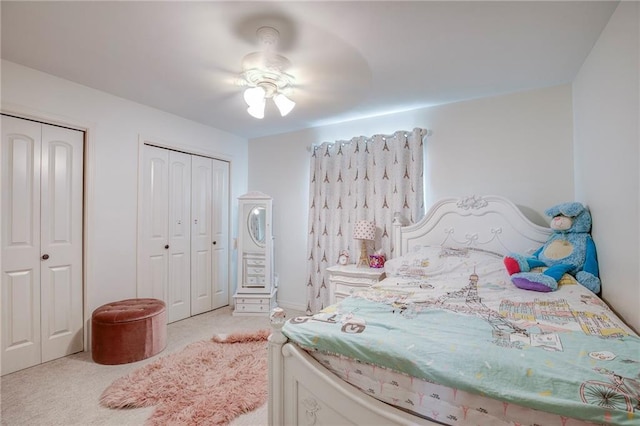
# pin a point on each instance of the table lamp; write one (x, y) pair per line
(364, 231)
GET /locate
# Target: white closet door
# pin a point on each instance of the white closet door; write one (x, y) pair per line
(41, 243)
(154, 250)
(20, 244)
(220, 234)
(61, 241)
(179, 291)
(201, 242)
(184, 230)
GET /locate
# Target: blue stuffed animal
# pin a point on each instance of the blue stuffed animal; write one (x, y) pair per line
(570, 249)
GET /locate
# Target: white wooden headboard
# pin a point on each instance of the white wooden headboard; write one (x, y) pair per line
(488, 222)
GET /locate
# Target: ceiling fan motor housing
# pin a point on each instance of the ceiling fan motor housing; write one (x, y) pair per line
(268, 37)
(266, 68)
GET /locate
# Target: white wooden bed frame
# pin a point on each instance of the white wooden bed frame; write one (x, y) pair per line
(303, 392)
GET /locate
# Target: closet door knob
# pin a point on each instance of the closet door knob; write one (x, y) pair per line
(167, 246)
(214, 243)
(45, 256)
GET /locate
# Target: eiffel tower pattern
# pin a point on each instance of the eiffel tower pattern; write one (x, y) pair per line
(502, 327)
(365, 178)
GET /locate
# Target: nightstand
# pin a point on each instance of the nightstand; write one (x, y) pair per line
(344, 279)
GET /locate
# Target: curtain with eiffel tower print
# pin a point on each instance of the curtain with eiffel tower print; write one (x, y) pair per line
(361, 179)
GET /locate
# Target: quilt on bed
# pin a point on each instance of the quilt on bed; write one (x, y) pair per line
(453, 317)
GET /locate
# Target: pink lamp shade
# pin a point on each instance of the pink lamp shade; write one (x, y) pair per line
(364, 230)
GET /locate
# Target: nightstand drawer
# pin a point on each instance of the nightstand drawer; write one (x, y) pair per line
(345, 279)
(346, 288)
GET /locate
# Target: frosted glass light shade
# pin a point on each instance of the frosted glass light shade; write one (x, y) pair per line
(257, 109)
(284, 104)
(254, 96)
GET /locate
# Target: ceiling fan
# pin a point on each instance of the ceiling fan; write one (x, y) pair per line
(264, 72)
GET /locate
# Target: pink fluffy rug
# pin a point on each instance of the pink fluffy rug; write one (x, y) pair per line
(207, 383)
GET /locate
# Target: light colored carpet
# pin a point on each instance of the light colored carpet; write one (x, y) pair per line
(66, 391)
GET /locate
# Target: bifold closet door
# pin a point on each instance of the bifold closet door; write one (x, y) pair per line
(166, 242)
(179, 288)
(184, 223)
(201, 234)
(154, 247)
(210, 235)
(42, 184)
(220, 234)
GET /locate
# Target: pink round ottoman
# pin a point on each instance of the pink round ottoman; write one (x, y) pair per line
(128, 331)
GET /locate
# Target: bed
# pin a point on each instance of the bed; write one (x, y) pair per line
(445, 338)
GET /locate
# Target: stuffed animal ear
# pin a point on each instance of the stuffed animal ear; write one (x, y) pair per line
(571, 209)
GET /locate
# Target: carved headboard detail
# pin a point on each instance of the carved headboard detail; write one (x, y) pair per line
(488, 222)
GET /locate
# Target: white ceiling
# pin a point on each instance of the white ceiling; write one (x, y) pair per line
(350, 59)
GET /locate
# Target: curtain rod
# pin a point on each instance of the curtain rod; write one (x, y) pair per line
(427, 132)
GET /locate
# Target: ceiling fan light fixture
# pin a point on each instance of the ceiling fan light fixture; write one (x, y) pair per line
(264, 73)
(257, 109)
(254, 95)
(284, 104)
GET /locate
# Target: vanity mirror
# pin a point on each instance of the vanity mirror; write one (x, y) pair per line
(255, 294)
(256, 224)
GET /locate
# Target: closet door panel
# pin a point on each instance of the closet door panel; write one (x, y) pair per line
(21, 144)
(20, 320)
(200, 291)
(201, 242)
(152, 280)
(61, 241)
(179, 302)
(220, 233)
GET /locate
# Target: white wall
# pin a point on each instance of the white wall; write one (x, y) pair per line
(606, 110)
(114, 128)
(504, 146)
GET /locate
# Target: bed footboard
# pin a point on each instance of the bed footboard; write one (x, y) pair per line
(303, 392)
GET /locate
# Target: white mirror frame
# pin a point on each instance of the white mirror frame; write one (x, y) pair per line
(256, 224)
(255, 255)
